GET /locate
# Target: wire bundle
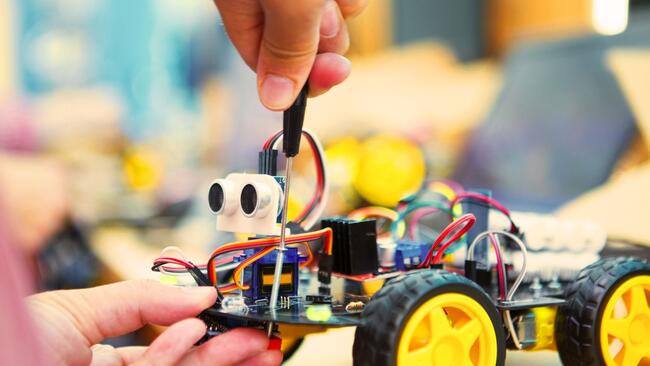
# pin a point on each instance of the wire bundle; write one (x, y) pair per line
(489, 201)
(314, 209)
(267, 244)
(451, 194)
(447, 237)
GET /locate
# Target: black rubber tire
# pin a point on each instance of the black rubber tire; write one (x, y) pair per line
(577, 324)
(385, 316)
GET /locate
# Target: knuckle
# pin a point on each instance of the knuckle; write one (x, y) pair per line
(288, 52)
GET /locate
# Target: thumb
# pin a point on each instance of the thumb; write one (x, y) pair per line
(287, 50)
(120, 308)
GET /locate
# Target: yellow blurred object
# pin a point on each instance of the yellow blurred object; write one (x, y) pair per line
(370, 287)
(7, 64)
(319, 313)
(342, 156)
(343, 160)
(390, 168)
(544, 328)
(142, 169)
(294, 208)
(168, 280)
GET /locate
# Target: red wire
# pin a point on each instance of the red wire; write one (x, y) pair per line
(502, 275)
(490, 201)
(319, 173)
(267, 143)
(460, 226)
(173, 260)
(319, 183)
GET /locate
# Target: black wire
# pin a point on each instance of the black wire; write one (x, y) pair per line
(200, 278)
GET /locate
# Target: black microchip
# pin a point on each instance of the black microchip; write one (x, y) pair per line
(265, 278)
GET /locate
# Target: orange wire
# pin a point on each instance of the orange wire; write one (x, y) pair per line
(236, 276)
(271, 241)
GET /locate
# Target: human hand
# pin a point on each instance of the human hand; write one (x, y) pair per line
(33, 197)
(71, 323)
(280, 40)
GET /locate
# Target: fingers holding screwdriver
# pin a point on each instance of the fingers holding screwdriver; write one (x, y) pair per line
(283, 41)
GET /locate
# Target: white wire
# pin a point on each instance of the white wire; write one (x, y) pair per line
(313, 218)
(520, 278)
(180, 253)
(511, 329)
(522, 246)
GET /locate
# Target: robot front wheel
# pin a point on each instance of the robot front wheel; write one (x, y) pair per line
(430, 317)
(606, 319)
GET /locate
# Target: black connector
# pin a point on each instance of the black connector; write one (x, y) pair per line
(268, 162)
(324, 290)
(319, 299)
(483, 277)
(325, 267)
(470, 270)
(354, 248)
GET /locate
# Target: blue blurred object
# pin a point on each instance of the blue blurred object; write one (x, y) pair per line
(559, 125)
(66, 261)
(153, 54)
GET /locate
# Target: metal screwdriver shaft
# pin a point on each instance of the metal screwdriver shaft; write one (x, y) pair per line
(293, 119)
(279, 261)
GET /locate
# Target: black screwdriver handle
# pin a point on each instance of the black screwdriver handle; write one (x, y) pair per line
(293, 119)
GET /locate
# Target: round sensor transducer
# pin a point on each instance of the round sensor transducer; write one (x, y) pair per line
(249, 199)
(220, 197)
(216, 197)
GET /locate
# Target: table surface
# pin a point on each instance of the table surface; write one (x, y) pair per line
(334, 348)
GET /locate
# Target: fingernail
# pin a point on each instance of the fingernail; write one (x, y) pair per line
(277, 92)
(329, 23)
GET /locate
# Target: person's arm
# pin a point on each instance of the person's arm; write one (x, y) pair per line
(286, 42)
(35, 201)
(72, 323)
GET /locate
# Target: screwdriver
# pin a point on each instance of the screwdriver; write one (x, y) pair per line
(293, 119)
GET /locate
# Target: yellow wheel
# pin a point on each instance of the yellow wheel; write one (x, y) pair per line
(430, 318)
(625, 325)
(449, 329)
(606, 320)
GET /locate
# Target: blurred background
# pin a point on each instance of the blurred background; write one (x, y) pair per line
(115, 116)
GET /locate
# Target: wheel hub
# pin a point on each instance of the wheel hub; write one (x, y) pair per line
(638, 329)
(448, 351)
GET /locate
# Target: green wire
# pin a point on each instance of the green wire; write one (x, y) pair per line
(412, 207)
